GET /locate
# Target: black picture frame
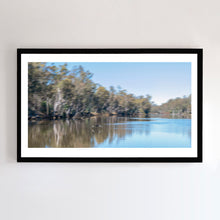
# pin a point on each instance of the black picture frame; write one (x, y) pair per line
(197, 51)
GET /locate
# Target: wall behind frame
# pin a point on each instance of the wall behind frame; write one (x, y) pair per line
(109, 191)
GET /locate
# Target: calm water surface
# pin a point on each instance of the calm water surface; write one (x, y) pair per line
(111, 132)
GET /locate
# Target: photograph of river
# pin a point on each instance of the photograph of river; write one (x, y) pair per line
(109, 105)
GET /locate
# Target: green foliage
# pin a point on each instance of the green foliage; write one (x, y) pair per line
(178, 106)
(101, 99)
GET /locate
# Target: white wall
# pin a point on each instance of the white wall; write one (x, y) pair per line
(109, 191)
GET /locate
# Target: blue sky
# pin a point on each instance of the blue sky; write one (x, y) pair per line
(162, 81)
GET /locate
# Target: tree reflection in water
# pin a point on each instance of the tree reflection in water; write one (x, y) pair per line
(85, 133)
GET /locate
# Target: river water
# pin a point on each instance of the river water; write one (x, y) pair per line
(111, 132)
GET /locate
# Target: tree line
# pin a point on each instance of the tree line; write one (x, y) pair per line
(57, 91)
(175, 107)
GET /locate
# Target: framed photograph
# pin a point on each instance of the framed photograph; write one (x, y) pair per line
(109, 105)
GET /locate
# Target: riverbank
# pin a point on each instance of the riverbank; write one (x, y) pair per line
(81, 116)
(169, 115)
